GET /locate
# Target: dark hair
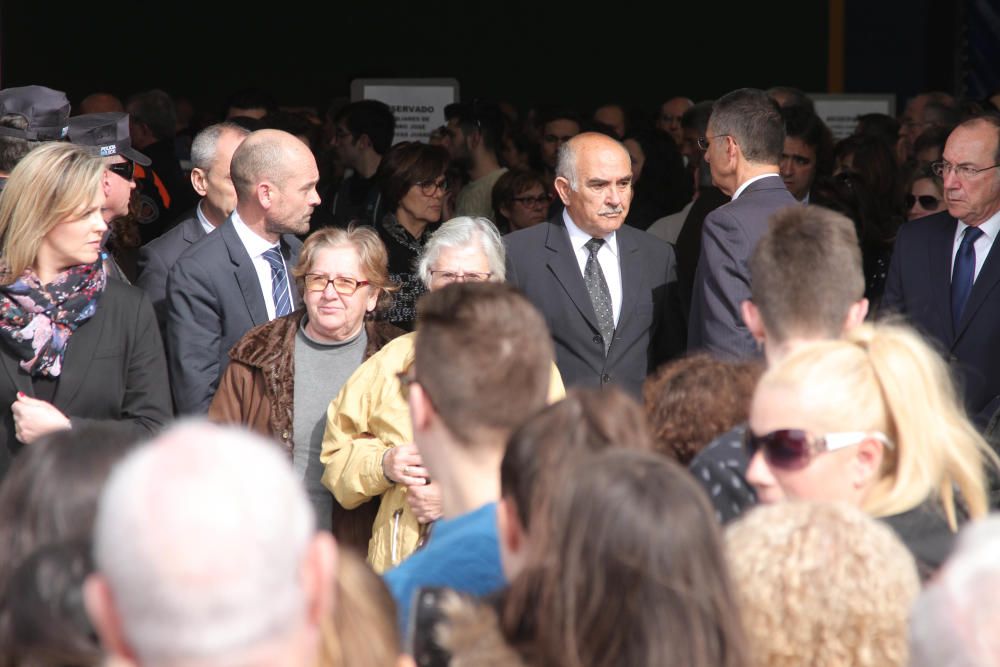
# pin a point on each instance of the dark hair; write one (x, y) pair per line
(874, 160)
(13, 149)
(155, 109)
(405, 165)
(802, 123)
(293, 123)
(663, 187)
(552, 114)
(691, 401)
(585, 422)
(510, 185)
(696, 118)
(754, 122)
(878, 125)
(250, 98)
(370, 117)
(483, 118)
(631, 570)
(484, 357)
(932, 137)
(797, 96)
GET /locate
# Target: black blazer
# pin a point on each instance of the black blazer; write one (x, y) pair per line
(541, 263)
(213, 298)
(113, 371)
(919, 288)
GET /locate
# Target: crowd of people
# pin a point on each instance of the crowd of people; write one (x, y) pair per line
(700, 387)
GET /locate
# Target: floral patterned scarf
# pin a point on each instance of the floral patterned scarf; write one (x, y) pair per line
(36, 321)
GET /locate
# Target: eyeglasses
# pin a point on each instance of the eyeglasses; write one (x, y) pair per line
(793, 449)
(540, 200)
(430, 188)
(929, 202)
(124, 169)
(453, 277)
(317, 282)
(704, 142)
(962, 171)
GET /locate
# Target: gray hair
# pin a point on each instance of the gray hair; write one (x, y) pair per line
(566, 164)
(461, 232)
(954, 621)
(205, 145)
(201, 536)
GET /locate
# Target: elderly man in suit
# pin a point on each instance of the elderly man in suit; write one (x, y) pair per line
(743, 146)
(608, 292)
(239, 276)
(211, 153)
(945, 272)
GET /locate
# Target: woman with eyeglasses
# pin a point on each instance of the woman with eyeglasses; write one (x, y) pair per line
(283, 374)
(520, 200)
(872, 420)
(368, 446)
(76, 346)
(414, 186)
(925, 193)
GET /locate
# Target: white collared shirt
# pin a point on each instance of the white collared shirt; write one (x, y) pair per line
(982, 244)
(256, 246)
(607, 256)
(205, 224)
(747, 182)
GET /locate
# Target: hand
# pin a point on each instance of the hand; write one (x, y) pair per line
(34, 418)
(403, 465)
(424, 502)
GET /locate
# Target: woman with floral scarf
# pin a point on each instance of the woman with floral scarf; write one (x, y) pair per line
(75, 346)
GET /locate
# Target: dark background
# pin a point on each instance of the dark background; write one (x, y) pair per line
(525, 52)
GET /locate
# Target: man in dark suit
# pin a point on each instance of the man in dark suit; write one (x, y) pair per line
(945, 271)
(239, 276)
(211, 154)
(608, 292)
(743, 146)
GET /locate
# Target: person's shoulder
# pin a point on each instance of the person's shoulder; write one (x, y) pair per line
(931, 224)
(530, 236)
(121, 292)
(173, 236)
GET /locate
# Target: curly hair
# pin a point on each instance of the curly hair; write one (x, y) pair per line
(821, 584)
(691, 401)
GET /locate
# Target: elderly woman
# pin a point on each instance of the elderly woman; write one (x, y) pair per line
(368, 449)
(284, 373)
(76, 346)
(873, 421)
(414, 187)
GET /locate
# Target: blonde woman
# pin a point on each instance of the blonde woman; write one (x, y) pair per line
(872, 420)
(76, 346)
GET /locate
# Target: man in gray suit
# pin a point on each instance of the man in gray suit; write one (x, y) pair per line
(239, 276)
(211, 153)
(607, 291)
(743, 148)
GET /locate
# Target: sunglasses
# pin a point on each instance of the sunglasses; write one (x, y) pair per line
(929, 202)
(124, 169)
(794, 449)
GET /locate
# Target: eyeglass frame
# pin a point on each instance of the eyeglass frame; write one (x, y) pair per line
(962, 171)
(440, 183)
(332, 281)
(462, 277)
(703, 142)
(532, 201)
(124, 169)
(828, 442)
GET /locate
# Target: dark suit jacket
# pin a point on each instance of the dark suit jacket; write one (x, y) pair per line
(542, 264)
(919, 288)
(722, 279)
(156, 258)
(113, 371)
(213, 298)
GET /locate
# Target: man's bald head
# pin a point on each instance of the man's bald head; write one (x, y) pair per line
(594, 181)
(587, 142)
(267, 155)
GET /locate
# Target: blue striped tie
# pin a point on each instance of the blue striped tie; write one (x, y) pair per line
(279, 282)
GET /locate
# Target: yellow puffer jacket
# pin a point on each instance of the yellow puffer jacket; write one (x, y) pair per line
(368, 416)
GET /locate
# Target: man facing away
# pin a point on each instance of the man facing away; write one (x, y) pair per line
(743, 146)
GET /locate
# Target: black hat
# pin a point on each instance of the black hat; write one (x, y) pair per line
(104, 135)
(45, 109)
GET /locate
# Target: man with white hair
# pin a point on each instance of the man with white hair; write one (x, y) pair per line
(954, 621)
(206, 553)
(608, 292)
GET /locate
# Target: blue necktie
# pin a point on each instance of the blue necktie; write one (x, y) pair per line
(964, 273)
(279, 282)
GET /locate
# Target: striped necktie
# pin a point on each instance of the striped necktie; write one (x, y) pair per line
(279, 282)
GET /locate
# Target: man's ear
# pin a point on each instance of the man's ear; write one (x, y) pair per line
(563, 189)
(364, 141)
(265, 194)
(319, 577)
(856, 314)
(753, 320)
(99, 602)
(199, 181)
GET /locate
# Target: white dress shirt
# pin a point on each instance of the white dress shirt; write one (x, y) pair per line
(982, 244)
(205, 224)
(607, 256)
(256, 246)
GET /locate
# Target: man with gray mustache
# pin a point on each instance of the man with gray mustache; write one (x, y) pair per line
(608, 292)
